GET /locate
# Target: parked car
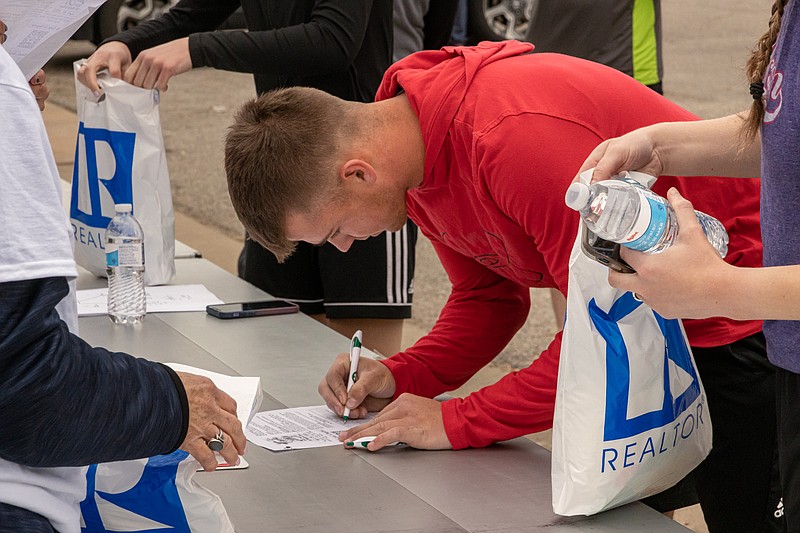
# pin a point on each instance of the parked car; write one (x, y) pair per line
(489, 20)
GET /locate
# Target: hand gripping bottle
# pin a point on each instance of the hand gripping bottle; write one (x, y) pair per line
(124, 240)
(624, 211)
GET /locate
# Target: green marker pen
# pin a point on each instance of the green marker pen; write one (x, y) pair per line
(363, 442)
(355, 355)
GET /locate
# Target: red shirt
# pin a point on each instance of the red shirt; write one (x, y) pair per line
(505, 133)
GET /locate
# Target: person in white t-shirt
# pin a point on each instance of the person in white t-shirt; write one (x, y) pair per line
(64, 404)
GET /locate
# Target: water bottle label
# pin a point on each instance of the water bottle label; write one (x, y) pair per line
(112, 258)
(124, 255)
(650, 228)
(112, 255)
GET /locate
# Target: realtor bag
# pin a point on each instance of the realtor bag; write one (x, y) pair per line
(161, 494)
(631, 418)
(151, 495)
(120, 158)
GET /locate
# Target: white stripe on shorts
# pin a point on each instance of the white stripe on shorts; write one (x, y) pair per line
(404, 259)
(397, 266)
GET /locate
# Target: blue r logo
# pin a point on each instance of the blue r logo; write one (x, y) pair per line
(119, 186)
(618, 375)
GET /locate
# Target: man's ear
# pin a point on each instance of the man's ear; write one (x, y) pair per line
(358, 171)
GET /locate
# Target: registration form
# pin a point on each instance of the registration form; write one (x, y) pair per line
(38, 28)
(298, 428)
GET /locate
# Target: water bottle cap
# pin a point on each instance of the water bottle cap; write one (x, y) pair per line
(577, 196)
(123, 208)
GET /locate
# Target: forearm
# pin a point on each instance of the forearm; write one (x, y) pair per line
(64, 403)
(328, 42)
(187, 17)
(284, 51)
(706, 148)
(519, 404)
(471, 330)
(770, 293)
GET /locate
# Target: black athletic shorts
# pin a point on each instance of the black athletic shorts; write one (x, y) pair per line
(788, 401)
(737, 485)
(373, 279)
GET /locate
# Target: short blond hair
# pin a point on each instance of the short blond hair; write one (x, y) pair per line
(280, 156)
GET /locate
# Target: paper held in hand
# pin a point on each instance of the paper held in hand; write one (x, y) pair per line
(38, 28)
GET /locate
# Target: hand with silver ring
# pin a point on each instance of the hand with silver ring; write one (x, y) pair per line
(217, 443)
(211, 413)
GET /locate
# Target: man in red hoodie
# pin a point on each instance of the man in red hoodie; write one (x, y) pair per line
(477, 146)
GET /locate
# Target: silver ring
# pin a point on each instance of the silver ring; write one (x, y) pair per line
(637, 297)
(217, 443)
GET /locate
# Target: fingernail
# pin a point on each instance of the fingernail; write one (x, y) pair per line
(352, 403)
(238, 460)
(96, 94)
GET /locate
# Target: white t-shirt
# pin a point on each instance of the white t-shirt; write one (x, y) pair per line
(34, 243)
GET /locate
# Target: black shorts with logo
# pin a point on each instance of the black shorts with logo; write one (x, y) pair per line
(373, 279)
(788, 402)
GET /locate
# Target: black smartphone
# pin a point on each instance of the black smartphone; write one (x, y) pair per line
(604, 252)
(248, 309)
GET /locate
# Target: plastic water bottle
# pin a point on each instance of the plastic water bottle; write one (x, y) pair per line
(124, 240)
(622, 210)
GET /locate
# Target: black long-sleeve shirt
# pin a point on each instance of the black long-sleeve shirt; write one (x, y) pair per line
(341, 47)
(64, 403)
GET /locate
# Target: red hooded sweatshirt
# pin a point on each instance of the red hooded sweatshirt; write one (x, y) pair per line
(505, 133)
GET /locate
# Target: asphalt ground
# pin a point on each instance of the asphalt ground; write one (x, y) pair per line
(705, 46)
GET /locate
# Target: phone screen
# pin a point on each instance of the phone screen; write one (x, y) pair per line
(247, 309)
(604, 252)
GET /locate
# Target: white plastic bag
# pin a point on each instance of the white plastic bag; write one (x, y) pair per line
(120, 158)
(155, 494)
(631, 418)
(160, 493)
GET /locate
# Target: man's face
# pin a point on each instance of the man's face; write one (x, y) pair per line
(360, 214)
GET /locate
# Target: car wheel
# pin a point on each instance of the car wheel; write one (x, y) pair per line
(133, 12)
(498, 20)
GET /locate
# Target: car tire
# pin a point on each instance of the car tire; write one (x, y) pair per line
(498, 20)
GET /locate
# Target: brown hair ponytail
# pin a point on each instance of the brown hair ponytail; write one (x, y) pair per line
(756, 68)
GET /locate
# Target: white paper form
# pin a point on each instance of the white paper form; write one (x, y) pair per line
(161, 299)
(299, 428)
(38, 28)
(245, 390)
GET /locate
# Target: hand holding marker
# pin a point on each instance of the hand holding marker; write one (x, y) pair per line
(355, 355)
